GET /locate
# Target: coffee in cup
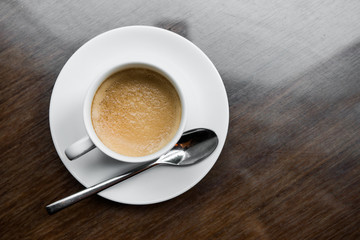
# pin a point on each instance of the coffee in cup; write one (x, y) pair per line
(136, 111)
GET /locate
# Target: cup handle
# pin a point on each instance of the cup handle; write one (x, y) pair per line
(79, 148)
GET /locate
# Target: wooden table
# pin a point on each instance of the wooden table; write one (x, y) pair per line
(290, 168)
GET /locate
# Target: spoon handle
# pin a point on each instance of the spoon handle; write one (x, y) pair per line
(74, 198)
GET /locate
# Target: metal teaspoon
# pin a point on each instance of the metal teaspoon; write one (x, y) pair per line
(193, 146)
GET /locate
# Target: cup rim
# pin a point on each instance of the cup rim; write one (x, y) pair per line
(88, 104)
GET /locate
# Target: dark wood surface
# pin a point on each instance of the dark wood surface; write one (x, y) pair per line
(290, 168)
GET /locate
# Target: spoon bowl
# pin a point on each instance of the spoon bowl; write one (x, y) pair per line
(194, 146)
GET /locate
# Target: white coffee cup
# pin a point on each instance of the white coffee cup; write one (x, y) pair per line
(91, 141)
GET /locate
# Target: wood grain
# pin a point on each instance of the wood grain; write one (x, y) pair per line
(290, 168)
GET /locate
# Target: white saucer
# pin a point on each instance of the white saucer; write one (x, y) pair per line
(205, 95)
